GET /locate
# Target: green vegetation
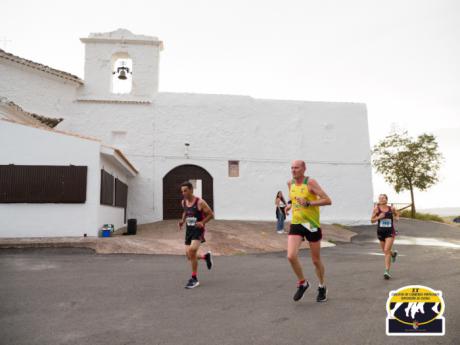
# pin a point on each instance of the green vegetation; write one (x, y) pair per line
(407, 163)
(422, 216)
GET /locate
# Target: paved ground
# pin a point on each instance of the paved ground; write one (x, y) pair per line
(73, 296)
(223, 238)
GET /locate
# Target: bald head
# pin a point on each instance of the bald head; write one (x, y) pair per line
(298, 168)
(300, 163)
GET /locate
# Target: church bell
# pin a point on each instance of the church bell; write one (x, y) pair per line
(122, 74)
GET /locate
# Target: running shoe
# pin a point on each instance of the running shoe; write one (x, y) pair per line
(322, 294)
(300, 291)
(386, 275)
(192, 283)
(394, 255)
(208, 259)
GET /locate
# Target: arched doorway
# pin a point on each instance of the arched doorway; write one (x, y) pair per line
(171, 188)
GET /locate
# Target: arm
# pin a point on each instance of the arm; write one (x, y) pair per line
(182, 221)
(288, 208)
(375, 217)
(289, 203)
(208, 213)
(323, 198)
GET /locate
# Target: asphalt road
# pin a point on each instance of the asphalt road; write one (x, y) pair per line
(73, 296)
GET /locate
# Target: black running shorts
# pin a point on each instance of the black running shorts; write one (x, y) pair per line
(383, 233)
(300, 230)
(194, 233)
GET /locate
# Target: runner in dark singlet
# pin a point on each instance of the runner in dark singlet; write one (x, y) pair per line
(385, 216)
(196, 214)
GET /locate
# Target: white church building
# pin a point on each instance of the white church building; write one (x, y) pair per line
(128, 147)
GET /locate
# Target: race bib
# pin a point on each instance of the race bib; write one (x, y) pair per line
(385, 223)
(190, 221)
(309, 227)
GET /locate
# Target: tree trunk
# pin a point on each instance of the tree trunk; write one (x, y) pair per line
(412, 201)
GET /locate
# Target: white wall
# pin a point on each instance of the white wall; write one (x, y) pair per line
(36, 91)
(265, 135)
(23, 145)
(111, 214)
(100, 120)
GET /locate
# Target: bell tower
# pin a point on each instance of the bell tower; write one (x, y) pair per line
(120, 67)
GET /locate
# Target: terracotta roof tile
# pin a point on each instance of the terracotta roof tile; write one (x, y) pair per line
(38, 66)
(47, 121)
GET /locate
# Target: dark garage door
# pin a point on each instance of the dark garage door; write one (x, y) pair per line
(171, 188)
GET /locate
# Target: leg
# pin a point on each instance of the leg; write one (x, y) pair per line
(382, 245)
(294, 242)
(279, 221)
(315, 248)
(193, 255)
(187, 248)
(388, 244)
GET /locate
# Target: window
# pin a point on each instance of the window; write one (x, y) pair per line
(113, 191)
(43, 184)
(121, 194)
(233, 168)
(107, 182)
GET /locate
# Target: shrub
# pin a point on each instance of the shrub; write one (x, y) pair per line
(422, 216)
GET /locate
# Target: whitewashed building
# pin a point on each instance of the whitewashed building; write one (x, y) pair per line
(33, 156)
(236, 149)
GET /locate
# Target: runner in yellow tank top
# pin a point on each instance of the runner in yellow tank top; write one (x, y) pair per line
(306, 196)
(301, 214)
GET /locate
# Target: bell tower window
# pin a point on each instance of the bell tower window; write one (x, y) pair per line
(122, 73)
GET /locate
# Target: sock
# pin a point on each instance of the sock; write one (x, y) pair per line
(301, 282)
(194, 275)
(321, 285)
(203, 257)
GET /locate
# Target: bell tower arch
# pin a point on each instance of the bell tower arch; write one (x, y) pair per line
(121, 66)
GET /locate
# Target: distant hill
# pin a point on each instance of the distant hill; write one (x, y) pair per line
(442, 211)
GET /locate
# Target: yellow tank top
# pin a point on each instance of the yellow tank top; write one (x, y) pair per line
(303, 214)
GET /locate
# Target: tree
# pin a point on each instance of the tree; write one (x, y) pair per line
(407, 163)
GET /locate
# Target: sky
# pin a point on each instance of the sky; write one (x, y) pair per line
(401, 58)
